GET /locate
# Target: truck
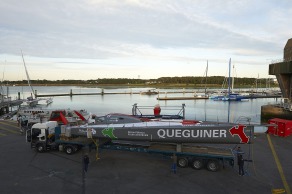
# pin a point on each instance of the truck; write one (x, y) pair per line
(51, 136)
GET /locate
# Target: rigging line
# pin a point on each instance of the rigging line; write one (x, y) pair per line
(27, 75)
(2, 90)
(258, 178)
(249, 149)
(225, 80)
(205, 77)
(3, 71)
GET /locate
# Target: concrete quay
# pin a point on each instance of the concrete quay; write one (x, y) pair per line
(117, 172)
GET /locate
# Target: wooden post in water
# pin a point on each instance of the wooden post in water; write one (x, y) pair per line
(71, 93)
(102, 91)
(18, 95)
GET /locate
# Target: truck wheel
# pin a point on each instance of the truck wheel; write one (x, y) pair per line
(182, 162)
(76, 148)
(213, 165)
(69, 150)
(197, 163)
(40, 148)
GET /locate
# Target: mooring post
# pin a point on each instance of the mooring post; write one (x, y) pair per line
(71, 93)
(18, 95)
(184, 111)
(102, 91)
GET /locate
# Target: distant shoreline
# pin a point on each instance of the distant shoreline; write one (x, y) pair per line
(195, 86)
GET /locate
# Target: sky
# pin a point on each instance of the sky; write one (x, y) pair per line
(92, 39)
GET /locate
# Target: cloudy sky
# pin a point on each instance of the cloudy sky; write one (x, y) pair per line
(90, 39)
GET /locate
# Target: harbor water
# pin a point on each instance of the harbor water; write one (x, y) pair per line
(207, 110)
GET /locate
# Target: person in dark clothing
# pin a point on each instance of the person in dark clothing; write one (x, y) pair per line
(238, 151)
(240, 165)
(85, 162)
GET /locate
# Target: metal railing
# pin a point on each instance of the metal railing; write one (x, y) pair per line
(137, 110)
(286, 104)
(281, 60)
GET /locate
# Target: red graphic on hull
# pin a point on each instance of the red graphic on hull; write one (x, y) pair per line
(239, 130)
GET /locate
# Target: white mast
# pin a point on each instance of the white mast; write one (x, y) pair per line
(2, 90)
(232, 85)
(206, 79)
(28, 79)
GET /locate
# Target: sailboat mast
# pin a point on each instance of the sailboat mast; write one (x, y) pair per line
(232, 85)
(28, 79)
(2, 90)
(229, 77)
(206, 79)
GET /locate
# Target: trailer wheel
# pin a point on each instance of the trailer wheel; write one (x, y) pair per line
(40, 148)
(197, 163)
(182, 162)
(213, 165)
(69, 150)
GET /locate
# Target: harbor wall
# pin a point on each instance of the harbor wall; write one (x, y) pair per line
(273, 111)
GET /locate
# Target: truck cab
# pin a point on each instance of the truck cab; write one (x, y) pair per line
(41, 135)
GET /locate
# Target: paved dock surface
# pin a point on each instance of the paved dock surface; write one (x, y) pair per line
(23, 170)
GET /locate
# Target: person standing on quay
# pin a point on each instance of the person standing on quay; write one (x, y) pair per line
(85, 162)
(240, 165)
(238, 151)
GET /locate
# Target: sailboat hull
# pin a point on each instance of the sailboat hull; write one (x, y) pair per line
(168, 132)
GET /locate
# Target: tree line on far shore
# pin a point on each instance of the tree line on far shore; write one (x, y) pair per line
(212, 81)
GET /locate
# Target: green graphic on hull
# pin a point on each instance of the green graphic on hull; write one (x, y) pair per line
(109, 132)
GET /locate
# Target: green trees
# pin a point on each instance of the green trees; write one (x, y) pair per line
(187, 81)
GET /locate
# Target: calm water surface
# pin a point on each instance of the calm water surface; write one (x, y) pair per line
(122, 103)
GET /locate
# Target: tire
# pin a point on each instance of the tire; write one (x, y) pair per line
(69, 150)
(76, 148)
(182, 162)
(197, 163)
(40, 148)
(213, 165)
